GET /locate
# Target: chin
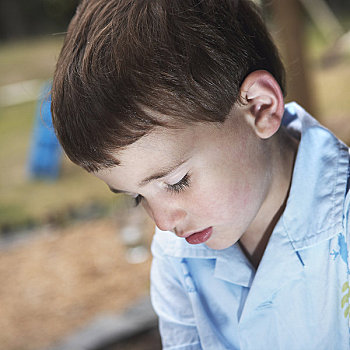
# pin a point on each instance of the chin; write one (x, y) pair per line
(218, 245)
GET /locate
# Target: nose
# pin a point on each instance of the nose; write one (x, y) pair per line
(166, 216)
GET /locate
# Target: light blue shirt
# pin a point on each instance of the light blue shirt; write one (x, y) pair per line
(298, 299)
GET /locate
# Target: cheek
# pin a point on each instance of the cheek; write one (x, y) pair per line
(223, 203)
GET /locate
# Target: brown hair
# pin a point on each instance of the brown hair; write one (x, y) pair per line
(181, 58)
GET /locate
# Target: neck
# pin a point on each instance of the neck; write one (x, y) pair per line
(255, 239)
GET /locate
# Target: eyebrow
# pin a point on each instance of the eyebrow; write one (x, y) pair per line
(161, 173)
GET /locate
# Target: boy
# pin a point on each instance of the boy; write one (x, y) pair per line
(179, 103)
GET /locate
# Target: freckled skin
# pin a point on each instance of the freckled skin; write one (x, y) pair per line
(230, 178)
(238, 173)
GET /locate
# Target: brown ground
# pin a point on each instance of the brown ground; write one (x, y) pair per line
(59, 281)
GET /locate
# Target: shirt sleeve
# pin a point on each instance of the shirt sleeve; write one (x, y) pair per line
(171, 303)
(346, 252)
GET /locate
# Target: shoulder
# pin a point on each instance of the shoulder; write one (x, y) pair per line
(315, 207)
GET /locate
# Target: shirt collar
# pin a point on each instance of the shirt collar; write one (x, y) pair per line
(316, 199)
(314, 207)
(231, 263)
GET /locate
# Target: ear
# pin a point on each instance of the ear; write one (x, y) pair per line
(264, 102)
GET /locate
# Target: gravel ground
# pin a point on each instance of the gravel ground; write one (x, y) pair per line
(57, 282)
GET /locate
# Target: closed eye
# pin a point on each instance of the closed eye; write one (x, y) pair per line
(179, 186)
(136, 199)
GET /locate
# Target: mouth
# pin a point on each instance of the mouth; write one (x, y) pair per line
(200, 236)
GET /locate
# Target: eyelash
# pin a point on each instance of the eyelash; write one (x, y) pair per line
(180, 186)
(137, 200)
(175, 188)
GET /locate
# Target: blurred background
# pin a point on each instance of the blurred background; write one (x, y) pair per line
(70, 250)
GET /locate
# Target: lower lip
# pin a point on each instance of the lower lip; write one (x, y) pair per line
(200, 237)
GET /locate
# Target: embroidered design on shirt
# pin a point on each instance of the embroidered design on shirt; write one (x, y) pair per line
(343, 250)
(345, 302)
(343, 254)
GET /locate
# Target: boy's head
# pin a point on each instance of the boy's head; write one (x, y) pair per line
(125, 64)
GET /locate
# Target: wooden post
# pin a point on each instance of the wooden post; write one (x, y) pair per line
(324, 19)
(288, 17)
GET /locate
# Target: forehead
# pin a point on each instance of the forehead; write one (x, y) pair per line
(163, 148)
(161, 143)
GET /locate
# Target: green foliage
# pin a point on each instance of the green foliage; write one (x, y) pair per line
(29, 59)
(345, 300)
